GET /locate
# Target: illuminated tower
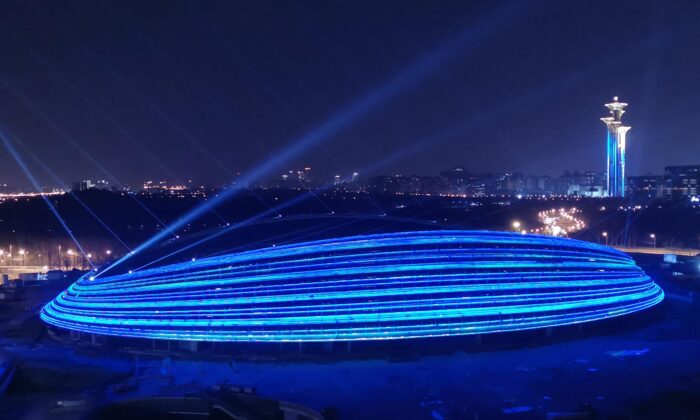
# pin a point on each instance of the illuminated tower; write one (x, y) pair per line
(616, 148)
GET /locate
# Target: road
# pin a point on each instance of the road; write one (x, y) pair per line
(659, 251)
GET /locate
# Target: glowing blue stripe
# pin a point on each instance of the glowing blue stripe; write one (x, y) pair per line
(364, 258)
(377, 270)
(340, 261)
(376, 242)
(338, 307)
(363, 282)
(337, 295)
(398, 285)
(395, 316)
(437, 329)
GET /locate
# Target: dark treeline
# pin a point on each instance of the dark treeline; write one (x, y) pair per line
(28, 221)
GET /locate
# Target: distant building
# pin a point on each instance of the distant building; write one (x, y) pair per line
(101, 185)
(50, 190)
(389, 184)
(456, 180)
(586, 190)
(83, 185)
(645, 186)
(682, 181)
(540, 185)
(162, 187)
(304, 176)
(515, 183)
(586, 184)
(425, 185)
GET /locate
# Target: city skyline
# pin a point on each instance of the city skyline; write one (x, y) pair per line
(349, 210)
(307, 178)
(352, 107)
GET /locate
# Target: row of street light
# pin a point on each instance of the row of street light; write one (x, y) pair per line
(74, 257)
(652, 236)
(22, 253)
(517, 227)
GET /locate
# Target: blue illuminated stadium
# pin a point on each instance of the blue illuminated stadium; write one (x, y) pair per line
(385, 286)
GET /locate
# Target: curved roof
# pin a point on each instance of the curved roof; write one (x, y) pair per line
(385, 286)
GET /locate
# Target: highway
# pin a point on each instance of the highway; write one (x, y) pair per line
(659, 251)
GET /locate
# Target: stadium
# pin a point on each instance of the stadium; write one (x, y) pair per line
(369, 287)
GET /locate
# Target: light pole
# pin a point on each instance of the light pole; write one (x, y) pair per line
(516, 226)
(605, 235)
(653, 238)
(22, 252)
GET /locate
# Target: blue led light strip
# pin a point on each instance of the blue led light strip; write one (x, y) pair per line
(372, 287)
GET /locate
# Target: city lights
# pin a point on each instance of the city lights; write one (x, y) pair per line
(382, 210)
(42, 260)
(560, 222)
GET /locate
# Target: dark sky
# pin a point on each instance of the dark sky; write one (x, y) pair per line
(203, 89)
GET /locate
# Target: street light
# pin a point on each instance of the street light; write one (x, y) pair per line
(605, 235)
(70, 257)
(516, 226)
(22, 252)
(653, 237)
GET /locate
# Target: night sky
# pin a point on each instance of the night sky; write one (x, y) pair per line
(202, 90)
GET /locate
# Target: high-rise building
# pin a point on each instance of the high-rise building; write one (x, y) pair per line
(616, 148)
(682, 181)
(101, 184)
(83, 185)
(645, 186)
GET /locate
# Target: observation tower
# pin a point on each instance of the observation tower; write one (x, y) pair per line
(616, 148)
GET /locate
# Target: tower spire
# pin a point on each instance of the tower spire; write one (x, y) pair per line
(616, 148)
